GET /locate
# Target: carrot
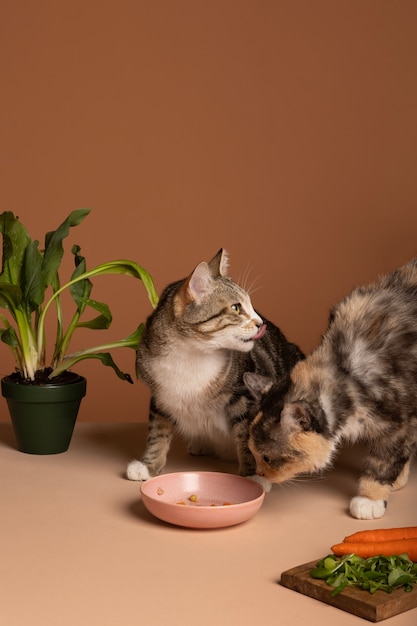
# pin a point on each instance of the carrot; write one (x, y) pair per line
(377, 548)
(383, 534)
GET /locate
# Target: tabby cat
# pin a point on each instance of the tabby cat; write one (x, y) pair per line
(360, 383)
(197, 344)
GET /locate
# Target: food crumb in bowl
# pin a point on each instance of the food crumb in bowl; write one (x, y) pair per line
(183, 503)
(193, 498)
(160, 491)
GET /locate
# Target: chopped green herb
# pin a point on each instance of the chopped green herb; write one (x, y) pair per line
(384, 573)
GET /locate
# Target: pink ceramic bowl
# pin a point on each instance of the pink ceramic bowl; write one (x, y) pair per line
(202, 499)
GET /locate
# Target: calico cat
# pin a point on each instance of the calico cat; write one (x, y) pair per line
(197, 344)
(360, 383)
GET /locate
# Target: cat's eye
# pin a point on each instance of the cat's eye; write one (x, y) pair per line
(266, 459)
(237, 307)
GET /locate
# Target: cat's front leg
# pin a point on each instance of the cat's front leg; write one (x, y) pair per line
(384, 473)
(158, 442)
(372, 498)
(247, 465)
(371, 501)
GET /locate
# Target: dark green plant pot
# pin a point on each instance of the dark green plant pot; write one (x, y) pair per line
(44, 416)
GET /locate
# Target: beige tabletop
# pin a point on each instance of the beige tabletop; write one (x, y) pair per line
(78, 547)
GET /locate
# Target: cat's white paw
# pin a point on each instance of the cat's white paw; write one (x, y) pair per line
(136, 470)
(364, 508)
(265, 484)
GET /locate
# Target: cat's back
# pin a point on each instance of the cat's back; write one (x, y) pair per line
(375, 327)
(392, 299)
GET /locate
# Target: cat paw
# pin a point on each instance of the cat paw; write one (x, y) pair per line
(265, 484)
(364, 508)
(136, 470)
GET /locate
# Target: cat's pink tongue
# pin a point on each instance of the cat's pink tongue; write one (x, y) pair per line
(260, 332)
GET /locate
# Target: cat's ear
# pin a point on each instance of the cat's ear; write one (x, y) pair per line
(258, 385)
(219, 264)
(295, 417)
(199, 283)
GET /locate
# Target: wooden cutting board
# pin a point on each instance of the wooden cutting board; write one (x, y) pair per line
(373, 607)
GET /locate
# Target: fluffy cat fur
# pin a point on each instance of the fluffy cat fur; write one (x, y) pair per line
(197, 344)
(358, 384)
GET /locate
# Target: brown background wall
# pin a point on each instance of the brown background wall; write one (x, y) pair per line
(285, 132)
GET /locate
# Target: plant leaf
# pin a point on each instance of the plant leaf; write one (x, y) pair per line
(10, 296)
(9, 337)
(102, 321)
(104, 357)
(15, 242)
(129, 268)
(80, 290)
(34, 289)
(53, 245)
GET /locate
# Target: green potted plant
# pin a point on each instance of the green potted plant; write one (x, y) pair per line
(43, 394)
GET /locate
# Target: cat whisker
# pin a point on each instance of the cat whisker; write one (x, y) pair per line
(244, 279)
(252, 287)
(301, 478)
(313, 478)
(292, 483)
